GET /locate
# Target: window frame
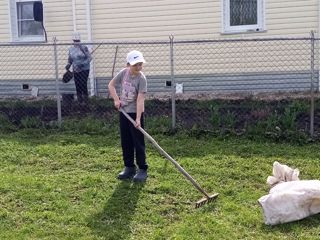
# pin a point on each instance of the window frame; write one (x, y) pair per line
(13, 15)
(259, 27)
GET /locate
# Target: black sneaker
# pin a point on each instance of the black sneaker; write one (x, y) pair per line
(127, 173)
(141, 176)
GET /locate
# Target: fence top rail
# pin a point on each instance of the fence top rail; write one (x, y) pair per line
(161, 42)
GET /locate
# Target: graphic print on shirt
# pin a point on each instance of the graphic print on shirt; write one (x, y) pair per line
(128, 92)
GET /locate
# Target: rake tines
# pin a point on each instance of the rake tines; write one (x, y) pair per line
(206, 200)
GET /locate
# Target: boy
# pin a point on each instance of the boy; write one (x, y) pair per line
(133, 86)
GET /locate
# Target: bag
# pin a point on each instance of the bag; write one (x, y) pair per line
(289, 199)
(67, 76)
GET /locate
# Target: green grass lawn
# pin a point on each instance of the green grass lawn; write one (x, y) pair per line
(63, 186)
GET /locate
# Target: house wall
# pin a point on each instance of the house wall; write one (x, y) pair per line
(57, 19)
(157, 19)
(150, 20)
(291, 17)
(193, 19)
(145, 20)
(4, 22)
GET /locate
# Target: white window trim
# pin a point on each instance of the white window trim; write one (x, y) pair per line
(14, 25)
(227, 29)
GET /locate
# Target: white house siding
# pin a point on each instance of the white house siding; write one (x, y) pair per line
(291, 17)
(194, 19)
(81, 18)
(201, 19)
(36, 62)
(4, 22)
(157, 19)
(146, 20)
(58, 19)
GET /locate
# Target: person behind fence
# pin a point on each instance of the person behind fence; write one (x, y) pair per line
(133, 87)
(79, 58)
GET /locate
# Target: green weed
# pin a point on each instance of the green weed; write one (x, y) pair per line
(215, 117)
(31, 122)
(5, 124)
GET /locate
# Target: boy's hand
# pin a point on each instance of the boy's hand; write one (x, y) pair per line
(138, 123)
(117, 104)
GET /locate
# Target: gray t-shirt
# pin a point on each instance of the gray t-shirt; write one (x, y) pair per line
(130, 86)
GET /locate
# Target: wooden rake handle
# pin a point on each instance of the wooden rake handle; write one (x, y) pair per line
(164, 153)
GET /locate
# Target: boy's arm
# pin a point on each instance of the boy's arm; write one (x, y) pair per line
(140, 108)
(113, 94)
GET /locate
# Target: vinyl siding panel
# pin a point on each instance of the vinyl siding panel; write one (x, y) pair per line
(37, 62)
(186, 19)
(81, 19)
(291, 18)
(157, 19)
(147, 20)
(123, 20)
(4, 22)
(58, 19)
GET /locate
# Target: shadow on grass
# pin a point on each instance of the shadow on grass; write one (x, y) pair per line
(306, 223)
(114, 220)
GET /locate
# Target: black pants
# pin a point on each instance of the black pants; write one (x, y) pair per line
(132, 142)
(81, 82)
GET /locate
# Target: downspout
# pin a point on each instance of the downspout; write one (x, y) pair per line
(74, 16)
(89, 31)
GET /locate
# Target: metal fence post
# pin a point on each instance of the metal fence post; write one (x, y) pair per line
(57, 81)
(312, 85)
(92, 78)
(173, 91)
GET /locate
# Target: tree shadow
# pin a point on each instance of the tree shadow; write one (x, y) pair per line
(114, 220)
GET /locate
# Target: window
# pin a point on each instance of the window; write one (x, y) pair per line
(243, 16)
(23, 26)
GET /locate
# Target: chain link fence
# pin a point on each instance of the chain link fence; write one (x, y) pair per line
(212, 85)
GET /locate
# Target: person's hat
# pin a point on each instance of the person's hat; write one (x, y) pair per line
(76, 36)
(134, 57)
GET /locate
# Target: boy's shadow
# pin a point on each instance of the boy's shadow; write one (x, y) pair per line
(114, 220)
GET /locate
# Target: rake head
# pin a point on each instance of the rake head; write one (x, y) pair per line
(206, 200)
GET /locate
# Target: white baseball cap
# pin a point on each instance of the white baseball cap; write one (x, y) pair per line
(134, 57)
(76, 36)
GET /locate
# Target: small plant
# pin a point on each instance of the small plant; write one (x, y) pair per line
(272, 122)
(5, 124)
(230, 119)
(288, 120)
(158, 124)
(31, 122)
(215, 117)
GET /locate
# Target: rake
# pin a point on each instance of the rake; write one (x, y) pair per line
(201, 202)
